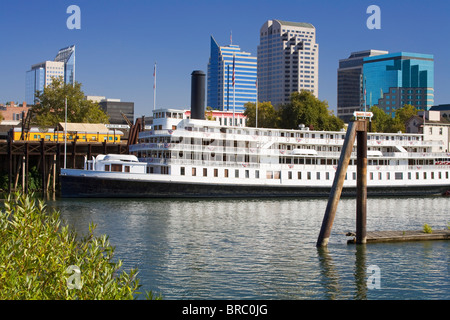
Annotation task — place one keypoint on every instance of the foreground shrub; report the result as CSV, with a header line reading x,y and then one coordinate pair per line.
x,y
42,259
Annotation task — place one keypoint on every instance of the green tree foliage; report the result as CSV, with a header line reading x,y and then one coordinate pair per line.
x,y
267,115
305,108
36,251
50,109
381,121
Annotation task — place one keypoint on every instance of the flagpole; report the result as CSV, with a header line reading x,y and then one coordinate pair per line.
x,y
154,87
256,103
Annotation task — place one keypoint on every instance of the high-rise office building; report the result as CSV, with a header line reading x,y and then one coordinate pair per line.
x,y
350,84
393,80
114,108
221,94
288,60
41,74
67,55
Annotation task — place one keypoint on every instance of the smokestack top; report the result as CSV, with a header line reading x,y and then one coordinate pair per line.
x,y
198,73
198,95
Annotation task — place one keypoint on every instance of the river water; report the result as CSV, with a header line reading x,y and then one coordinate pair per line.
x,y
265,248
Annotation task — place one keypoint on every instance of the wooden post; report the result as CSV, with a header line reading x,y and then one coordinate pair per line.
x,y
23,174
10,163
58,160
361,183
44,184
27,151
54,173
74,150
338,184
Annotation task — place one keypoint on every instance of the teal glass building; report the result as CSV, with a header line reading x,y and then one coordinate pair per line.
x,y
393,80
220,92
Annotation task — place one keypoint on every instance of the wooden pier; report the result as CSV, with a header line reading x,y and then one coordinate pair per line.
x,y
17,157
401,236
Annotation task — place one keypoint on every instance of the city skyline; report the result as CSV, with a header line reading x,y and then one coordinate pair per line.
x,y
119,43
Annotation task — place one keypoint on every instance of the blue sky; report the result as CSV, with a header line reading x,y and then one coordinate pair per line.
x,y
119,41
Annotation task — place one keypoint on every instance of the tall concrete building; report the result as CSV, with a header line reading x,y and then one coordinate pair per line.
x,y
40,75
288,60
350,97
393,80
221,95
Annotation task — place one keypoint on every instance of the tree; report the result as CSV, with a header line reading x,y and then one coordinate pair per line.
x,y
402,115
382,122
37,253
267,115
305,108
50,107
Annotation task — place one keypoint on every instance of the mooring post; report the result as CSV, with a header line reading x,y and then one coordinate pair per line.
x,y
26,152
361,182
44,184
10,163
338,184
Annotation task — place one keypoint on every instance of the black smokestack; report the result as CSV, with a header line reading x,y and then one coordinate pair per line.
x,y
198,95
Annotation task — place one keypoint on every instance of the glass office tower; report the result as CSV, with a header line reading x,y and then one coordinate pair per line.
x,y
221,94
350,85
396,79
40,75
67,55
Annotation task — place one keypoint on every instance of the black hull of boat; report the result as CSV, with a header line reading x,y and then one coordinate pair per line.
x,y
94,187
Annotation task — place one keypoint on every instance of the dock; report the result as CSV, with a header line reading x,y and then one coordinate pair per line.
x,y
401,236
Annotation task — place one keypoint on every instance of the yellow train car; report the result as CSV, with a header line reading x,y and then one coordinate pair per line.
x,y
79,132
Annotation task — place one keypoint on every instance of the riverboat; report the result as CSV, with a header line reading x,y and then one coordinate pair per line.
x,y
185,157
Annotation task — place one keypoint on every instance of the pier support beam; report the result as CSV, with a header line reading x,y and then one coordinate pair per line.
x,y
338,184
358,127
361,184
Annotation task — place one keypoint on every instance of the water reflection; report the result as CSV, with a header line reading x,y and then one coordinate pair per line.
x,y
265,248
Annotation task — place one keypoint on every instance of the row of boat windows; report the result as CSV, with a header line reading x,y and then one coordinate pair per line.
x,y
238,158
301,175
296,134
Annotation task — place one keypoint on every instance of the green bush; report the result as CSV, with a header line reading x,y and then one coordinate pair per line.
x,y
427,228
36,251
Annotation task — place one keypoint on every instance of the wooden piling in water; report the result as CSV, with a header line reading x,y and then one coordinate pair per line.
x,y
357,128
361,182
338,184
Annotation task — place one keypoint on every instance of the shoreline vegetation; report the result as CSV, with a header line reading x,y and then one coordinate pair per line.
x,y
42,258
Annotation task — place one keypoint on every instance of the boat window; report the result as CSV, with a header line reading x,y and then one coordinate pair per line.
x,y
127,168
106,167
116,167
